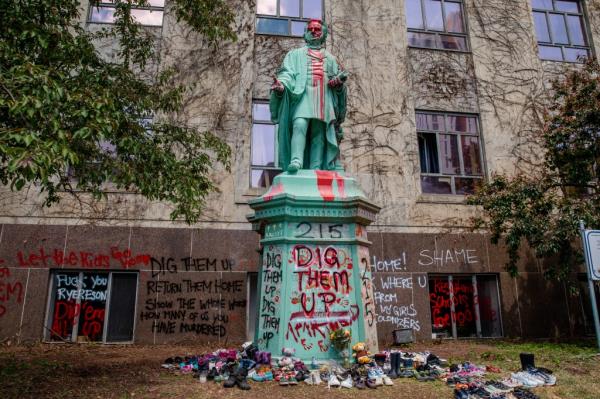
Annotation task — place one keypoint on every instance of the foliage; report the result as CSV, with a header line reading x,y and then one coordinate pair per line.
x,y
340,338
73,121
544,208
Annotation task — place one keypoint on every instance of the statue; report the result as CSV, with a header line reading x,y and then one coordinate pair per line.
x,y
308,101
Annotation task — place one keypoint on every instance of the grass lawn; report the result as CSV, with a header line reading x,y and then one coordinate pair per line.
x,y
103,371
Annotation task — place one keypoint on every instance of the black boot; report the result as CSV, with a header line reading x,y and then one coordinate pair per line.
x,y
241,379
231,381
395,365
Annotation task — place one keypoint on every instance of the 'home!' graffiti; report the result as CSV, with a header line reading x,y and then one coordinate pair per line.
x,y
322,297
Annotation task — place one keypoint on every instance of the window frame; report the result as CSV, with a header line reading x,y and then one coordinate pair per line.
x,y
445,32
51,300
583,17
458,135
290,20
276,149
109,4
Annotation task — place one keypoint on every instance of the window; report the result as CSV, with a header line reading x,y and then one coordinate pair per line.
x,y
152,15
465,306
286,17
264,146
450,153
560,30
91,306
436,24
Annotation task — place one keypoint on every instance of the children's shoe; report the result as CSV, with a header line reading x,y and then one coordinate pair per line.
x,y
333,381
370,383
283,380
347,383
387,380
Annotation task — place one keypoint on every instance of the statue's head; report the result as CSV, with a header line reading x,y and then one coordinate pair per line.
x,y
315,33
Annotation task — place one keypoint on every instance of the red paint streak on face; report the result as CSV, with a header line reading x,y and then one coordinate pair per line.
x,y
315,28
325,184
277,189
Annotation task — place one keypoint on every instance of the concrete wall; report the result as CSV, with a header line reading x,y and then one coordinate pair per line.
x,y
210,268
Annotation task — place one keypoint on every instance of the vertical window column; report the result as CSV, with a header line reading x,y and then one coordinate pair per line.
x,y
263,160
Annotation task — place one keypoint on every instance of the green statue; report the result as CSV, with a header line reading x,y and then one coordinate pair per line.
x,y
308,101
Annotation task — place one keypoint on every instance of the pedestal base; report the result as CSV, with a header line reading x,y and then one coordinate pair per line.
x,y
315,275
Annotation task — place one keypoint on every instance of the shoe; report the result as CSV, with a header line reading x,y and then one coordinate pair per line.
x,y
230,382
294,166
370,383
283,380
387,380
241,378
347,383
333,381
395,365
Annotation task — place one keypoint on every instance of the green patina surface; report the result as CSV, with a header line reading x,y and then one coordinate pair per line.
x,y
315,275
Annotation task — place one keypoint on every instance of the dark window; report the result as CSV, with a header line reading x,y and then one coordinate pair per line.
x,y
152,15
286,17
436,24
560,30
264,146
465,306
91,306
449,152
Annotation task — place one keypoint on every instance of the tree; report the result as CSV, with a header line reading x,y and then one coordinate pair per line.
x,y
543,208
71,121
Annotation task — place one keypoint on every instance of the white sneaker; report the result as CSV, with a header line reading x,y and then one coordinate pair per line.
x,y
333,381
378,381
387,380
314,378
347,383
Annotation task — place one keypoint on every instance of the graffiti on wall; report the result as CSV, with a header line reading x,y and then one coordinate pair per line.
x,y
11,290
368,297
322,298
393,298
187,305
271,296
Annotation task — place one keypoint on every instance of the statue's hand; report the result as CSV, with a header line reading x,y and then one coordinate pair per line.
x,y
277,86
335,82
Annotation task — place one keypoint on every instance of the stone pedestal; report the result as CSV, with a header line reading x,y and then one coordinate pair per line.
x,y
315,275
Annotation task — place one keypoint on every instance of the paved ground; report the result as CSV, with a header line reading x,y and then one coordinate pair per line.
x,y
97,371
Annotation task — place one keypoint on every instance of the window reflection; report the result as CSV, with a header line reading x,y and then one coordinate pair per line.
x,y
560,30
436,24
289,16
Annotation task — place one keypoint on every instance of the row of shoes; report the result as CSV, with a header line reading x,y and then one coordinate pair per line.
x,y
483,390
534,377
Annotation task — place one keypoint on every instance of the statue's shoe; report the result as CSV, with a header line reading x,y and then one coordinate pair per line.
x,y
294,166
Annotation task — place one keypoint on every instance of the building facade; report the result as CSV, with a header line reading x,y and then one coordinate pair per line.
x,y
442,94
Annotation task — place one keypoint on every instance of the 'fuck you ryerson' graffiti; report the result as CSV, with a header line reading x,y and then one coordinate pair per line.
x,y
322,297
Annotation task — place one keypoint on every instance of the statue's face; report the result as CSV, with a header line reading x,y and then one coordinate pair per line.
x,y
315,28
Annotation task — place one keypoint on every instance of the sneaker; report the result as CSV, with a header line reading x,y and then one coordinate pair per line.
x,y
283,380
387,380
314,378
347,383
333,381
370,383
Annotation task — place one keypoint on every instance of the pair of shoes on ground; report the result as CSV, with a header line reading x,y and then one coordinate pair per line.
x,y
336,383
376,374
521,393
239,379
313,378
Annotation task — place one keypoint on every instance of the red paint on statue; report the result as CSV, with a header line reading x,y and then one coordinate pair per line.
x,y
325,184
273,191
